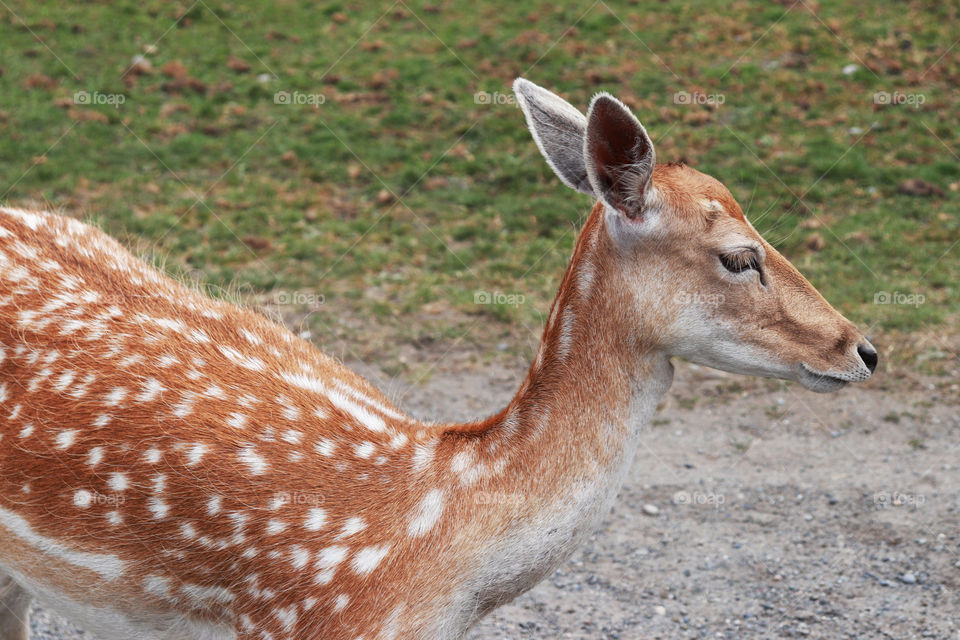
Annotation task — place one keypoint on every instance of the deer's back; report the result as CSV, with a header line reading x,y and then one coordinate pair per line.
x,y
157,442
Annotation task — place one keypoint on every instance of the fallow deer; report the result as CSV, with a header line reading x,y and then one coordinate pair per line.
x,y
173,466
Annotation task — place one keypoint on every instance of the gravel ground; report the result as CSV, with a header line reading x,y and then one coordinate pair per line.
x,y
753,511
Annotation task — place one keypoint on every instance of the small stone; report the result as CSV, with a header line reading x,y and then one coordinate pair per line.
x,y
660,610
908,578
651,509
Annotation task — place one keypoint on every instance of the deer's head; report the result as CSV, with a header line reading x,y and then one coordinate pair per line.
x,y
678,241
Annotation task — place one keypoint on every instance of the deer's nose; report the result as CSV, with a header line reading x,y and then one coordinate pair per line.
x,y
868,354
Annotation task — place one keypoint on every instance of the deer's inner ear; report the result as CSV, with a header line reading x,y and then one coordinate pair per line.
x,y
619,156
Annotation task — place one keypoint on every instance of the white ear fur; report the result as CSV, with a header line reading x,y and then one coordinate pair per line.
x,y
618,155
558,129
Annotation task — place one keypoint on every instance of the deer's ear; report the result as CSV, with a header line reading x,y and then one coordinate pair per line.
x,y
618,155
558,129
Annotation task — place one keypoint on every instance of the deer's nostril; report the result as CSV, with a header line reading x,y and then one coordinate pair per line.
x,y
869,356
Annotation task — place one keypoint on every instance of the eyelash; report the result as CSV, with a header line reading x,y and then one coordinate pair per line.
x,y
741,261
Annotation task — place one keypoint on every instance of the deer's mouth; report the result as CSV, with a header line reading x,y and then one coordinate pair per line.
x,y
819,381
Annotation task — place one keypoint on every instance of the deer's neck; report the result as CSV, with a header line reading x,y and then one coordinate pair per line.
x,y
543,472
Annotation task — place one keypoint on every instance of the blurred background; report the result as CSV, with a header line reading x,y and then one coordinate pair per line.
x,y
367,161
361,172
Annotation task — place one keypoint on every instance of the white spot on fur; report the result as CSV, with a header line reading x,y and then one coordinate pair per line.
x,y
151,389
292,437
157,586
256,464
367,559
115,397
352,525
427,513
327,561
364,449
195,454
299,556
118,481
201,593
95,456
158,507
423,455
237,421
65,439
316,518
325,448
82,498
275,526
287,616
63,380
461,462
247,362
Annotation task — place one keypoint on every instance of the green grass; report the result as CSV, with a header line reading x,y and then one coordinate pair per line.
x,y
209,169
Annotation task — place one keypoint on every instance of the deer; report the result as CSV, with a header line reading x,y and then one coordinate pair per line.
x,y
174,466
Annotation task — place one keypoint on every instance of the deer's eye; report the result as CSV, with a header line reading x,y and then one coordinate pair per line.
x,y
740,261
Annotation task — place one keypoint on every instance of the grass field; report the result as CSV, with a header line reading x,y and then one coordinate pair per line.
x,y
366,161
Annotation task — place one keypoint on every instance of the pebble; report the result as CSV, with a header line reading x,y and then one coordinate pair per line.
x,y
651,509
908,578
660,610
